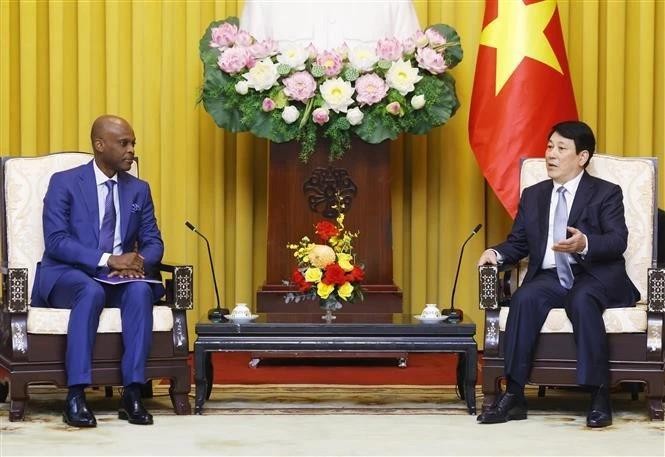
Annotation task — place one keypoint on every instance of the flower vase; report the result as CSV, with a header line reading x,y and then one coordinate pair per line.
x,y
329,305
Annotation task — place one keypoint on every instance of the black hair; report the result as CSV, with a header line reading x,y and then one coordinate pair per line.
x,y
580,133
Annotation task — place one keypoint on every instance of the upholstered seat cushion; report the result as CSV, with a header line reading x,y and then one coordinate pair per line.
x,y
617,320
53,321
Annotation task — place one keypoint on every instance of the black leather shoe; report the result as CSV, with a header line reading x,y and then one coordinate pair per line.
x,y
509,407
600,411
77,413
132,409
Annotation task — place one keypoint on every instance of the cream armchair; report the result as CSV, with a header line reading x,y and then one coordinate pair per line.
x,y
32,342
635,334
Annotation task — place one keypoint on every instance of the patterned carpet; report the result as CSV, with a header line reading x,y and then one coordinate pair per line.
x,y
331,420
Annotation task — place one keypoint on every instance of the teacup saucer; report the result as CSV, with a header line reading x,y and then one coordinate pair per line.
x,y
241,319
431,320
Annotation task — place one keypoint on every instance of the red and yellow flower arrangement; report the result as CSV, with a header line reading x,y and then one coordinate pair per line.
x,y
327,271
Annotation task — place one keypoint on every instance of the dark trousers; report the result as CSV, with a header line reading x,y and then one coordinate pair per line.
x,y
87,298
584,304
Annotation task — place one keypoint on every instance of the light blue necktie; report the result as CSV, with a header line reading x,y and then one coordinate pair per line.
x,y
560,230
107,230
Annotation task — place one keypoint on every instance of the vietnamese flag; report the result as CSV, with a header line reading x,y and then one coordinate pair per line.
x,y
521,89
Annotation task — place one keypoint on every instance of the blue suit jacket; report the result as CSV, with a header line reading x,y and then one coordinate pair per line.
x,y
71,227
598,212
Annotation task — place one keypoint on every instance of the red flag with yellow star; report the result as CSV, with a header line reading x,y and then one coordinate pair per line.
x,y
521,89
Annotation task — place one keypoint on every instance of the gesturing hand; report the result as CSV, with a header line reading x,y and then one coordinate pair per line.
x,y
575,243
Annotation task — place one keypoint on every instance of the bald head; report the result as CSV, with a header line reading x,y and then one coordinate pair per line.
x,y
113,142
104,124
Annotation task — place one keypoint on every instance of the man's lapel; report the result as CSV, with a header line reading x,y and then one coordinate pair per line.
x,y
544,218
88,188
582,198
125,195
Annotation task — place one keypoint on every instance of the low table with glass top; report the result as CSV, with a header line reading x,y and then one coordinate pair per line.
x,y
291,333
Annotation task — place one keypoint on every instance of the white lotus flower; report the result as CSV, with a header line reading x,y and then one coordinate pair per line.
x,y
402,76
337,94
242,87
363,58
294,56
418,101
262,76
290,114
354,116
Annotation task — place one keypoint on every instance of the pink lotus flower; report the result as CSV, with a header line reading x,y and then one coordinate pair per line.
x,y
434,37
343,50
263,49
420,38
431,61
244,38
320,116
268,105
409,45
371,88
233,59
300,86
389,49
331,63
223,36
394,108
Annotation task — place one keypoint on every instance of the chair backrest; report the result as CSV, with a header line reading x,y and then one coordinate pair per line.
x,y
637,177
24,182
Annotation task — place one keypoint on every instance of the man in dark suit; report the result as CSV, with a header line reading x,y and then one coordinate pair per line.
x,y
573,229
99,221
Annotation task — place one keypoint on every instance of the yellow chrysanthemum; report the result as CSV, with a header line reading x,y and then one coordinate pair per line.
x,y
345,290
323,290
321,255
313,275
344,261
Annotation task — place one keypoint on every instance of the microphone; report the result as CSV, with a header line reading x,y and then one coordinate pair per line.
x,y
455,315
214,314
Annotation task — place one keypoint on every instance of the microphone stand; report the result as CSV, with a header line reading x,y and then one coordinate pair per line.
x,y
214,314
456,314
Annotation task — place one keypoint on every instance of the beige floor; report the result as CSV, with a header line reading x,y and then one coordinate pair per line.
x,y
332,420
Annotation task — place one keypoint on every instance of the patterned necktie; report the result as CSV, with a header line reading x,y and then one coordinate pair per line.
x,y
560,230
107,231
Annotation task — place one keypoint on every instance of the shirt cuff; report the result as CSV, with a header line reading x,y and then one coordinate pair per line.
x,y
584,251
499,257
103,261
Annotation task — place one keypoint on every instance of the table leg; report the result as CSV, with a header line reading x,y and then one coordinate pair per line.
x,y
471,359
209,375
200,378
461,374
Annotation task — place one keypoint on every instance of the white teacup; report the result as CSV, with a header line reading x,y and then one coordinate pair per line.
x,y
430,311
241,311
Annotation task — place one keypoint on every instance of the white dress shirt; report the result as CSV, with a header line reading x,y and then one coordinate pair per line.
x,y
329,24
569,194
102,192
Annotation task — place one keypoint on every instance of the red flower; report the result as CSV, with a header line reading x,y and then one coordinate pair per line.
x,y
334,275
356,275
299,280
326,230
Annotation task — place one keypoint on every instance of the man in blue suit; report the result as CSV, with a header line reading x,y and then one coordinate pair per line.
x,y
573,229
99,221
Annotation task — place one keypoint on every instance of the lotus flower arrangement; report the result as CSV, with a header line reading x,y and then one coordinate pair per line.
x,y
285,93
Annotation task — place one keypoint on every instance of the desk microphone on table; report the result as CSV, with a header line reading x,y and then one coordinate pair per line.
x,y
455,315
214,314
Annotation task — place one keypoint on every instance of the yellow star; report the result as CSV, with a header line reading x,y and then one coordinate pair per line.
x,y
518,32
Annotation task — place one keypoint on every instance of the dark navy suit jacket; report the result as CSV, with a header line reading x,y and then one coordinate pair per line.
x,y
598,212
71,227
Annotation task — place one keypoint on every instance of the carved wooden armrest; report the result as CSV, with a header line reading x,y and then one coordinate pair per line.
x,y
15,290
180,287
656,290
494,289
